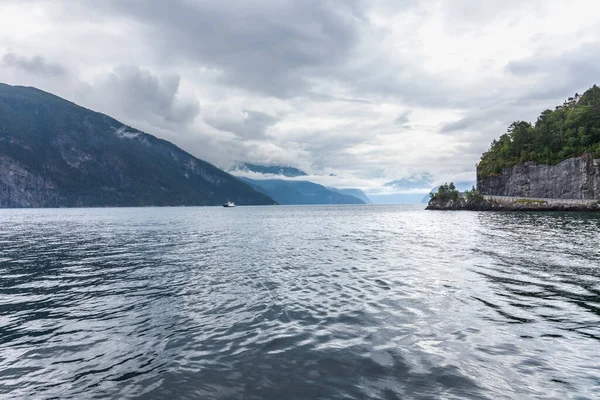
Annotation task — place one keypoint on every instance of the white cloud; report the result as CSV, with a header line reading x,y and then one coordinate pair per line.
x,y
371,91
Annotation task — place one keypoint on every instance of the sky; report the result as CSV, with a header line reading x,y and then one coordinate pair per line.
x,y
356,93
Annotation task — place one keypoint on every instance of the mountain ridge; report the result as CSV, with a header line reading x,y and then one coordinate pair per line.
x,y
55,153
287,171
292,192
359,194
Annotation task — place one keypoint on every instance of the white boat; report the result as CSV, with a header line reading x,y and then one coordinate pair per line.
x,y
229,204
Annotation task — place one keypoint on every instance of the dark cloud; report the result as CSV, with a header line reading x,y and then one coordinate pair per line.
x,y
582,59
256,122
36,65
559,75
458,125
249,125
479,126
267,47
543,83
316,83
522,67
329,98
403,119
283,48
134,91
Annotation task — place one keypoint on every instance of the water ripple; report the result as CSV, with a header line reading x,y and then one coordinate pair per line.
x,y
298,302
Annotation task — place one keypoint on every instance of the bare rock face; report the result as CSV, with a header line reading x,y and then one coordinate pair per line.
x,y
514,204
573,178
21,188
462,204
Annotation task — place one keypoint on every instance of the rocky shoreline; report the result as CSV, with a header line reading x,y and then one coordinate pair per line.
x,y
482,204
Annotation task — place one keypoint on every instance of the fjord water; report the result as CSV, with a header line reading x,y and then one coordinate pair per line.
x,y
298,302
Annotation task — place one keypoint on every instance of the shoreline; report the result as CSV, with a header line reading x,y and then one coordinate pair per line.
x,y
514,204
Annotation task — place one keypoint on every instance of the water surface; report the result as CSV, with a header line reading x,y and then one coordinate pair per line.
x,y
332,302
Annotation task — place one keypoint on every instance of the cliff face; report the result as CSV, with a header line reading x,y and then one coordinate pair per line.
x,y
573,178
54,153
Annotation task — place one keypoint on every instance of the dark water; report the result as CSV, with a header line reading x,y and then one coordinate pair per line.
x,y
298,302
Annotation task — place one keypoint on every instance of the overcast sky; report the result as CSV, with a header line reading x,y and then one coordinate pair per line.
x,y
371,91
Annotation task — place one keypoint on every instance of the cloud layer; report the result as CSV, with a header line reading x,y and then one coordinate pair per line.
x,y
371,91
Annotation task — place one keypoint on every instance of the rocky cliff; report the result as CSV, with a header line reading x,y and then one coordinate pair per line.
x,y
573,178
54,153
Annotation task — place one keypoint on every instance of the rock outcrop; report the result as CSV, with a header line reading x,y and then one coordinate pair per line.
x,y
573,178
514,204
461,203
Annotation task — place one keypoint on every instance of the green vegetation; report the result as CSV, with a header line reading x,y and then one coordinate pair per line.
x,y
446,192
570,130
473,195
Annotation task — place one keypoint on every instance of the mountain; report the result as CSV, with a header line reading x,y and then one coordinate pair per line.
x,y
290,172
54,153
408,190
300,192
297,192
354,192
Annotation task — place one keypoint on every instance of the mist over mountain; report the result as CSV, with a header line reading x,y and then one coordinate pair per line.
x,y
416,181
288,192
54,153
354,192
305,191
287,171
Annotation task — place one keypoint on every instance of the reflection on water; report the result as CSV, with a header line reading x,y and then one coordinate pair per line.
x,y
298,302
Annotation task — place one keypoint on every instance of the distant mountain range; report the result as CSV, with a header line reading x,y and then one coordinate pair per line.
x,y
289,172
288,192
354,192
54,153
411,190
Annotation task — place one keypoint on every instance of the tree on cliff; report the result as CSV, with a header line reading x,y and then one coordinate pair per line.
x,y
569,130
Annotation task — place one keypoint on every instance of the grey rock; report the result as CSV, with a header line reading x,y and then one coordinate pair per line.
x,y
513,204
573,178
